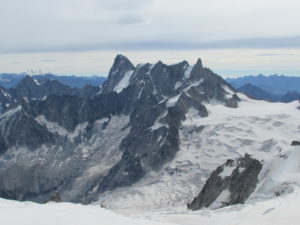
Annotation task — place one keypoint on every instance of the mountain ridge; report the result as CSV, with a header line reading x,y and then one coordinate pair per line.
x,y
117,137
32,89
10,80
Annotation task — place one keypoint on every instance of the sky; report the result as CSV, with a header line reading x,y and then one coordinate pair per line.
x,y
82,37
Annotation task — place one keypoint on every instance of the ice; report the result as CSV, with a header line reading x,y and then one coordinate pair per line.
x,y
178,84
37,82
124,82
280,174
6,94
221,200
227,171
28,213
277,211
228,90
9,113
172,101
188,71
56,128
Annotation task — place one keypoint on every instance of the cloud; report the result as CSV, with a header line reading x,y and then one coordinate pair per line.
x,y
255,43
132,19
127,5
274,54
48,60
70,25
16,62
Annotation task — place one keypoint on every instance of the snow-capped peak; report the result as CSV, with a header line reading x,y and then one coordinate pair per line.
x,y
34,72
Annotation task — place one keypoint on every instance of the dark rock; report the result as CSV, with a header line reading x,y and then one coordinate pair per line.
x,y
12,80
231,183
290,96
258,93
120,67
62,136
33,89
295,143
55,198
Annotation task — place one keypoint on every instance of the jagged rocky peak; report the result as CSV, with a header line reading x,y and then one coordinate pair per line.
x,y
166,81
27,81
199,64
127,131
231,183
119,73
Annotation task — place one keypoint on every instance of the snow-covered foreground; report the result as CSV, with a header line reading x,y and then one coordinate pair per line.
x,y
28,213
278,211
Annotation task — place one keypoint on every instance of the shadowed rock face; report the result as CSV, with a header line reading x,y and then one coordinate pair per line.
x,y
80,148
231,183
30,89
295,143
118,70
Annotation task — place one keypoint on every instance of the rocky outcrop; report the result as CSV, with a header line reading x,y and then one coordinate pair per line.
x,y
5,99
290,96
30,89
232,183
121,69
295,143
11,80
81,147
34,89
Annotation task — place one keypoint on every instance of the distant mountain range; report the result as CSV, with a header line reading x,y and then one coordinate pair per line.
x,y
10,80
270,88
30,88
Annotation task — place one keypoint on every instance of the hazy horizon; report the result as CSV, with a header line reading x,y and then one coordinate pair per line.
x,y
233,38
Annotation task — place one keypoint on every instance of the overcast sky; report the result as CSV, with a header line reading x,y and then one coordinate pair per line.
x,y
233,37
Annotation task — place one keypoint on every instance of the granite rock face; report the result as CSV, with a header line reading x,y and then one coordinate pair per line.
x,y
231,183
30,89
80,147
295,143
5,99
33,89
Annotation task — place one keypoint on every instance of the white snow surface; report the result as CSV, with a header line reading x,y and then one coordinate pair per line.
x,y
5,116
56,128
280,175
37,82
278,211
258,128
172,101
227,171
124,82
28,213
6,94
188,71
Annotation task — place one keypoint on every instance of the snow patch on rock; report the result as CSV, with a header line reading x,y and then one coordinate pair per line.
x,y
124,82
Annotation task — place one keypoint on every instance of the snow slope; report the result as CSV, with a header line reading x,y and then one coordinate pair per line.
x,y
28,213
258,128
278,211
